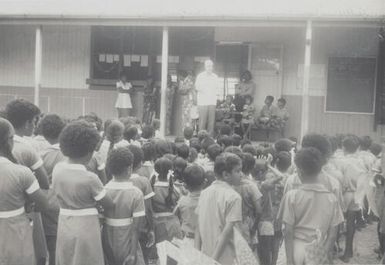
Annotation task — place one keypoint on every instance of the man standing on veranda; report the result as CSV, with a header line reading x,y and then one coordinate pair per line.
x,y
206,85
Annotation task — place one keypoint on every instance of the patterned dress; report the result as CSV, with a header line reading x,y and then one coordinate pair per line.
x,y
187,92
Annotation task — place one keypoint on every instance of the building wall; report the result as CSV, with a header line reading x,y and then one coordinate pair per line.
x,y
349,42
66,66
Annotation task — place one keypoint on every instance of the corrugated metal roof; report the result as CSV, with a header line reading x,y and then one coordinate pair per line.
x,y
195,9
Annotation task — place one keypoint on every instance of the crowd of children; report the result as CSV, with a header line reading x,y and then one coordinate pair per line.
x,y
107,194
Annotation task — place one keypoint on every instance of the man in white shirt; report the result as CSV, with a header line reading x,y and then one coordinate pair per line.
x,y
206,85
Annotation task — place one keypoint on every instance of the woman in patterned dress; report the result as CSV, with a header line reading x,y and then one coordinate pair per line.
x,y
187,92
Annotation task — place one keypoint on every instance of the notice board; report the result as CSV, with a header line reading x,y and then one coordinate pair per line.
x,y
351,85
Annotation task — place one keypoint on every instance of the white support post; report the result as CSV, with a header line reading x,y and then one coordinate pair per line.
x,y
305,81
38,64
163,99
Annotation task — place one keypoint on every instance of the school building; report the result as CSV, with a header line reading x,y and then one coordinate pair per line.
x,y
322,56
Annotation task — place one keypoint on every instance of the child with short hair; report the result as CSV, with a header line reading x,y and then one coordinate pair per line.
x,y
236,139
188,133
18,185
194,180
143,184
148,133
23,115
166,224
354,171
192,155
251,200
179,165
310,214
78,191
131,135
225,141
214,233
248,114
51,126
147,169
213,151
122,224
182,151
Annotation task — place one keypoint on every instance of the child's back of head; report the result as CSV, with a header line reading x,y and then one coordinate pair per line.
x,y
319,142
248,148
188,133
283,145
350,144
309,162
195,143
365,143
213,151
51,126
376,149
225,141
130,133
114,131
193,155
236,139
148,151
183,151
234,150
138,156
248,163
194,177
148,132
119,162
225,130
179,140
162,147
283,161
206,143
179,165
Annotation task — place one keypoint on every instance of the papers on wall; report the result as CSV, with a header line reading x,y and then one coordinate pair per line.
x,y
135,58
144,60
159,59
116,57
126,60
173,59
109,58
102,57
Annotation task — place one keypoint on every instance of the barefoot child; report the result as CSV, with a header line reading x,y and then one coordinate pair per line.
x,y
78,191
122,227
310,214
214,233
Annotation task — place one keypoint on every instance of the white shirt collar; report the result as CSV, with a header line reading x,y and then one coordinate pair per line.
x,y
20,139
55,146
113,185
73,166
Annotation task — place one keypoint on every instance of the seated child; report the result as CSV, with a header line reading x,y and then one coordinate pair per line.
x,y
214,232
227,107
282,112
166,224
247,115
310,214
194,180
268,111
122,226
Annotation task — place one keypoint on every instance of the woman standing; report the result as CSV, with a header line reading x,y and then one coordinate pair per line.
x,y
188,96
123,103
17,184
151,105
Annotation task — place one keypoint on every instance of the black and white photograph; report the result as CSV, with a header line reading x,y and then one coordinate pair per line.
x,y
205,132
